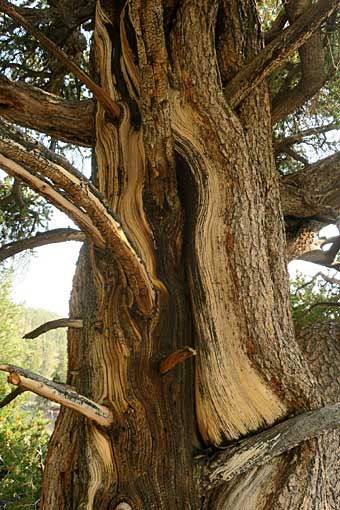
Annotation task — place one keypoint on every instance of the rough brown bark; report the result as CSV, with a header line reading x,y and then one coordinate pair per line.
x,y
186,253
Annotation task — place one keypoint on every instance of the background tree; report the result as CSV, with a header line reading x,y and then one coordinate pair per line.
x,y
185,217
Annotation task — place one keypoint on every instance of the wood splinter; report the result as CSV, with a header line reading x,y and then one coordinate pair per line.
x,y
176,358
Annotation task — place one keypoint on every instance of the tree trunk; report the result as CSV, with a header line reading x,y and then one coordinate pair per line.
x,y
195,186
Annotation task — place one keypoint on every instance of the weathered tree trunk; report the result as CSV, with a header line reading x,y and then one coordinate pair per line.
x,y
195,186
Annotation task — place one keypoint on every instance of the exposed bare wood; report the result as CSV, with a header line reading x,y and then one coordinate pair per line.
x,y
28,106
263,447
59,393
58,323
272,56
58,235
98,92
11,396
174,359
71,192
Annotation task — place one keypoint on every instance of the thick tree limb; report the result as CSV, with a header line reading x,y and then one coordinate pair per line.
x,y
324,258
53,177
58,393
99,93
314,190
58,323
272,56
263,447
28,106
58,235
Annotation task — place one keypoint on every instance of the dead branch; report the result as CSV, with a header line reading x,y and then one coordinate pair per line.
x,y
100,94
28,106
58,393
11,396
53,177
281,144
263,447
58,235
272,56
58,323
175,358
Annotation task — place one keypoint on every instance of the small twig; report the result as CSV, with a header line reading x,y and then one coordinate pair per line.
x,y
174,359
58,323
323,303
101,95
59,393
11,396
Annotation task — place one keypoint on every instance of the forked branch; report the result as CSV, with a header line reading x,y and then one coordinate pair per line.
x,y
100,94
58,323
59,393
263,447
272,56
58,235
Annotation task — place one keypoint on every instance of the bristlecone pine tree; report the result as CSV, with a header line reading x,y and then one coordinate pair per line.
x,y
188,387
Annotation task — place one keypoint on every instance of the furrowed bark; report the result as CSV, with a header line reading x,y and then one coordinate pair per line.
x,y
58,235
236,387
58,323
272,56
75,195
59,393
28,106
263,447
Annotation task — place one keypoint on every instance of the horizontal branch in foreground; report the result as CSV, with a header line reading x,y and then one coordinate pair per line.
x,y
53,177
58,393
263,447
99,93
28,106
278,50
58,235
58,323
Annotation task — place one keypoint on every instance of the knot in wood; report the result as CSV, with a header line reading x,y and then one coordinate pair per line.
x,y
123,506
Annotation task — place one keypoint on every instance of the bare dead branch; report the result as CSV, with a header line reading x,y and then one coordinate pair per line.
x,y
279,145
59,393
174,359
54,324
53,177
58,235
11,396
100,94
263,447
58,323
272,56
28,106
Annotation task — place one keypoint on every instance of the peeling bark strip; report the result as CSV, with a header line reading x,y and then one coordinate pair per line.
x,y
58,323
28,106
278,50
59,393
263,447
74,194
58,235
46,43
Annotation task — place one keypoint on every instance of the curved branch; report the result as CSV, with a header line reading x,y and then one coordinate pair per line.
x,y
58,235
28,106
53,177
263,447
58,323
99,93
59,393
272,56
